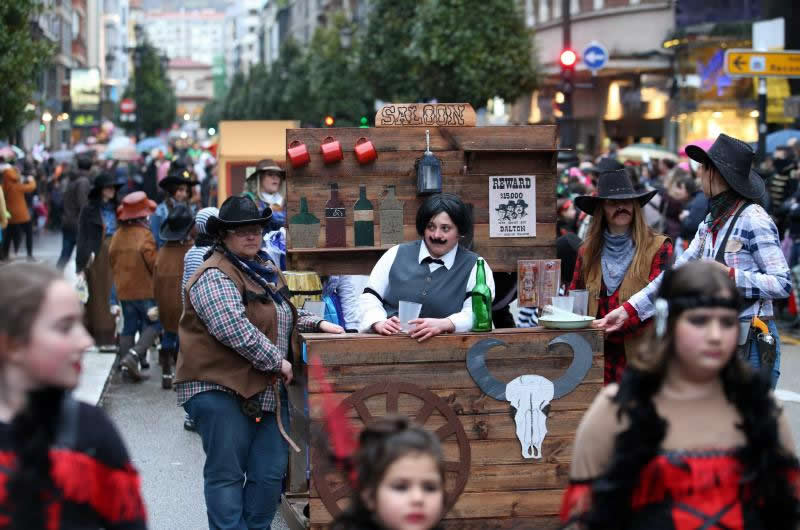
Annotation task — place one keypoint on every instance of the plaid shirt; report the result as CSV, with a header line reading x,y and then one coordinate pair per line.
x,y
219,305
760,268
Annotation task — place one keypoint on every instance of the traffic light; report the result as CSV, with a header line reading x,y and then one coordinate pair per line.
x,y
329,121
568,59
364,123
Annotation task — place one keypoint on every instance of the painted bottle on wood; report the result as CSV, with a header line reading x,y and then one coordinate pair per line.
x,y
481,301
391,218
335,235
363,220
303,228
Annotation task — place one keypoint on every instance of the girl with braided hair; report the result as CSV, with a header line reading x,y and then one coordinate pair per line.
x,y
691,437
62,463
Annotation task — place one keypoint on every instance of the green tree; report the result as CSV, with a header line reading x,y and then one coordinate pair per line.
x,y
236,100
289,92
152,90
22,58
212,113
471,50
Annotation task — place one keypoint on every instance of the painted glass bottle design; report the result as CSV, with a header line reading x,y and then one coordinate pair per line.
x,y
391,218
335,235
363,220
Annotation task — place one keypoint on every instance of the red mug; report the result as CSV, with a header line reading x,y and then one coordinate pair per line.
x,y
331,150
365,151
298,154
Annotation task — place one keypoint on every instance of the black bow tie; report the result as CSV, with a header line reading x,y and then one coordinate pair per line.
x,y
429,259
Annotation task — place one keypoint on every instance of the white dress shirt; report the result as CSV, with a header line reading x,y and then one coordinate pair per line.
x,y
373,310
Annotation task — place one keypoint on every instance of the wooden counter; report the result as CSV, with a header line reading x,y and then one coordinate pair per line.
x,y
430,382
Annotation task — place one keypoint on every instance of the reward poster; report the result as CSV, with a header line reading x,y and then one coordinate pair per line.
x,y
512,206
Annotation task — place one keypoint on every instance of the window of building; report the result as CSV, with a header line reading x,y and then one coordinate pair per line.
x,y
544,11
598,4
530,15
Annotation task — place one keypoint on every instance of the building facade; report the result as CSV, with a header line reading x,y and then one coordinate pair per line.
x,y
197,35
194,87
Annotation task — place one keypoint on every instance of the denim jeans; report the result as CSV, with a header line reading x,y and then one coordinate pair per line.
x,y
69,237
755,360
245,461
134,316
169,340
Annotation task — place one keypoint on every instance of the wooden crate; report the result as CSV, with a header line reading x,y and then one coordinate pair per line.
x,y
469,155
503,489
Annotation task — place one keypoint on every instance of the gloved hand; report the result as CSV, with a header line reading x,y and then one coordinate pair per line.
x,y
152,314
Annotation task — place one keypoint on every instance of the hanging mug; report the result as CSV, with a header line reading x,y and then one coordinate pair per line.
x,y
298,154
365,151
331,150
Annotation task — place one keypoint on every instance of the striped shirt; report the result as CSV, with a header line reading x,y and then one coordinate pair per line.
x,y
753,251
191,262
218,304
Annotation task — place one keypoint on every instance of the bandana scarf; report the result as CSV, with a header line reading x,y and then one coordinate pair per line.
x,y
722,205
261,273
617,257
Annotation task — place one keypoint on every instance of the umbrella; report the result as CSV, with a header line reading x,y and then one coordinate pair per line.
x,y
641,152
702,144
11,151
124,153
148,144
119,141
63,155
80,148
778,138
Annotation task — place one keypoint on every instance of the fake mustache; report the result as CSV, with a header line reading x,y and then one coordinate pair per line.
x,y
437,241
620,211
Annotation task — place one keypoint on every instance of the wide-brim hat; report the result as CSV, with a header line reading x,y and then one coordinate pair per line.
x,y
268,165
178,224
176,178
734,161
237,211
613,185
103,180
521,202
135,205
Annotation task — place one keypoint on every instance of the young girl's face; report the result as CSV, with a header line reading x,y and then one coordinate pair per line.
x,y
52,355
410,496
705,340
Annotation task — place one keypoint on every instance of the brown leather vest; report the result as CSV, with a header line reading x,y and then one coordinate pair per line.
x,y
167,277
203,358
631,285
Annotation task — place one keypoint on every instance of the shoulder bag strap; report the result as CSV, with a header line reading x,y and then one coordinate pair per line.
x,y
720,257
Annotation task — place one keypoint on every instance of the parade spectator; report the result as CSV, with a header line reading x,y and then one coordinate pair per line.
x,y
236,333
436,271
167,275
4,215
64,464
96,226
263,187
76,195
567,217
619,256
393,451
675,197
133,257
178,187
14,189
739,235
203,241
691,437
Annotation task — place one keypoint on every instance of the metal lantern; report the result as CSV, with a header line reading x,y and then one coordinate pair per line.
x,y
429,171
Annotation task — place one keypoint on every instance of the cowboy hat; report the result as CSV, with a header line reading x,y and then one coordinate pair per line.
x,y
178,224
103,180
177,176
237,211
134,206
267,165
734,161
613,185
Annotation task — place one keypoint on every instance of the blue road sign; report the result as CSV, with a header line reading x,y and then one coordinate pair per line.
x,y
595,56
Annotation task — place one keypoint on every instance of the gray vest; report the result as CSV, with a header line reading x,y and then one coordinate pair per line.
x,y
441,292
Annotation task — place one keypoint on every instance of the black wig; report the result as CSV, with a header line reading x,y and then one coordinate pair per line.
x,y
452,205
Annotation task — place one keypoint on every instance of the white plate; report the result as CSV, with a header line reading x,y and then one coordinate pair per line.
x,y
566,324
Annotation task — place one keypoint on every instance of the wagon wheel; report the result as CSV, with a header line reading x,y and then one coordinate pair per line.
x,y
321,468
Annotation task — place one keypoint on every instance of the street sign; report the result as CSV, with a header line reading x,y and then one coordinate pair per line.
x,y
753,63
595,56
127,105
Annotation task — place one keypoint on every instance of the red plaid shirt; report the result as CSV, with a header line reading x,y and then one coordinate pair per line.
x,y
608,303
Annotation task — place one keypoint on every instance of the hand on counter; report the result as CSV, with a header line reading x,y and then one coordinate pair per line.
x,y
425,328
612,321
328,327
390,326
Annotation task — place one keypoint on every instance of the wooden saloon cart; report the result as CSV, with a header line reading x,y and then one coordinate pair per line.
x,y
496,486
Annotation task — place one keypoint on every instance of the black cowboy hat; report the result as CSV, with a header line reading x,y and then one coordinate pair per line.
x,y
614,185
734,161
177,225
177,176
237,211
521,202
103,180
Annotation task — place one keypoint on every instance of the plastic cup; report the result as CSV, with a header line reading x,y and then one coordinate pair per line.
x,y
563,302
580,304
407,311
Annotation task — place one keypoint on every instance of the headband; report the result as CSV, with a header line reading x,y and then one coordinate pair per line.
x,y
679,304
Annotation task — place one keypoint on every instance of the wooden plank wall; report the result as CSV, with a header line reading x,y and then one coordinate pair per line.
x,y
504,489
469,155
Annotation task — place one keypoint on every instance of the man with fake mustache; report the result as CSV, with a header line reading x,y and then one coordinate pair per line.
x,y
619,256
435,271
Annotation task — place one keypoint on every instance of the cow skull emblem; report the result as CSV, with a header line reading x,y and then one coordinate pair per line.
x,y
530,395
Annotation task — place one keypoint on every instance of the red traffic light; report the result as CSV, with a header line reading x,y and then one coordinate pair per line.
x,y
329,121
568,58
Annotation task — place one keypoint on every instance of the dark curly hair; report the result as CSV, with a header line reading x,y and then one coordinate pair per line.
x,y
766,463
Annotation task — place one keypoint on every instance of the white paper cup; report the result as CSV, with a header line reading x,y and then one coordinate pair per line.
x,y
563,302
407,311
580,305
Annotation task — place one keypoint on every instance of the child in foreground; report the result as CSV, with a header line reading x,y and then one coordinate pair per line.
x,y
400,479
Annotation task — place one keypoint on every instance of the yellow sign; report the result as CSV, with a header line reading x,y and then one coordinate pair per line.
x,y
752,63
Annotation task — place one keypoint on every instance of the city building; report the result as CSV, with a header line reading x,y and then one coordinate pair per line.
x,y
198,35
243,48
194,87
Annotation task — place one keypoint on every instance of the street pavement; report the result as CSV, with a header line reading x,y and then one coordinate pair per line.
x,y
170,459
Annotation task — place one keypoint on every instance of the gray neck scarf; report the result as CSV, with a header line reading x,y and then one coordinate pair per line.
x,y
617,257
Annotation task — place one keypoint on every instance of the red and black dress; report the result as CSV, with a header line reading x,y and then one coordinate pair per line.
x,y
95,485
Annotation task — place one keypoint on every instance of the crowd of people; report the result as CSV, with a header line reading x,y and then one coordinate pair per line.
x,y
685,264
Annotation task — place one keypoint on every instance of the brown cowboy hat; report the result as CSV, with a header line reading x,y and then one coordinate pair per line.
x,y
268,165
135,205
613,185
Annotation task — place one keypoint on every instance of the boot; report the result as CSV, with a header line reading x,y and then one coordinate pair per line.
x,y
125,344
130,365
165,357
146,338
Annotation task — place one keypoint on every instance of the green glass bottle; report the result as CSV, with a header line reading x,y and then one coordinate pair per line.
x,y
481,301
363,220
